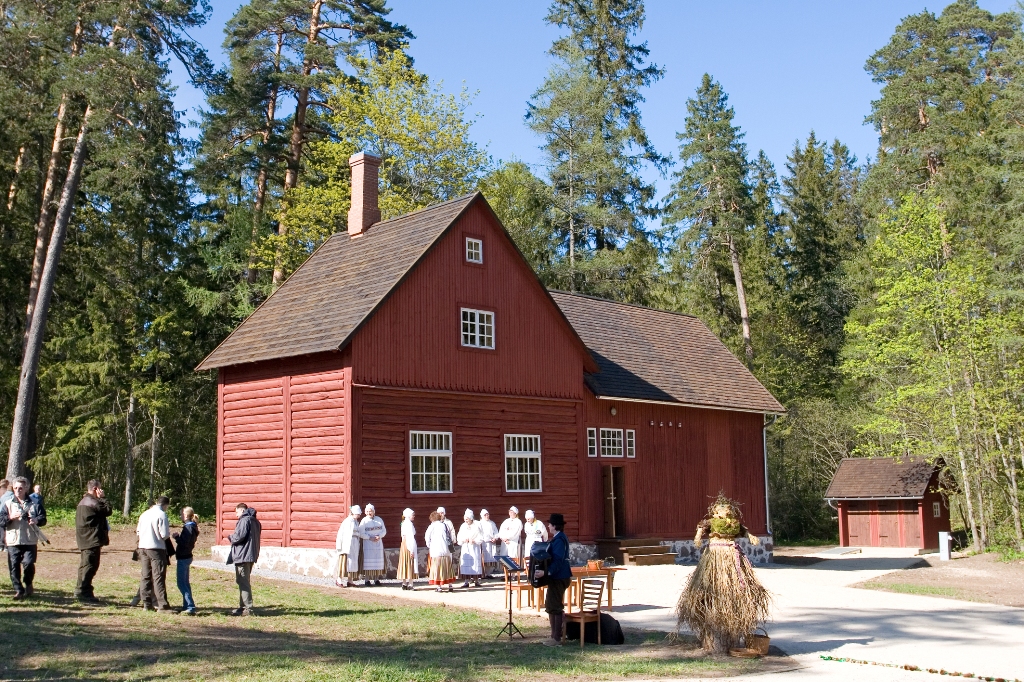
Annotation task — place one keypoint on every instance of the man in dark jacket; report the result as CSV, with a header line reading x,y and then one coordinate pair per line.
x,y
244,552
92,533
559,577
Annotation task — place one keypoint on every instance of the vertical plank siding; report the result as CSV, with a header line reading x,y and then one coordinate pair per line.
x,y
678,470
413,340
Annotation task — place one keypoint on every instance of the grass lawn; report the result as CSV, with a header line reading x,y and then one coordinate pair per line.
x,y
301,632
910,588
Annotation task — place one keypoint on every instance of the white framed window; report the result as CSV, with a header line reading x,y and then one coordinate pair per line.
x,y
477,328
630,443
474,250
430,461
522,463
611,442
936,510
591,442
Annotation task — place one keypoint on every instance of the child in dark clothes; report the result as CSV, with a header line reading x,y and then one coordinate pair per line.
x,y
186,540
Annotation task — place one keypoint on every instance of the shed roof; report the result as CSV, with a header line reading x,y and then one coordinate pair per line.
x,y
656,355
338,287
872,478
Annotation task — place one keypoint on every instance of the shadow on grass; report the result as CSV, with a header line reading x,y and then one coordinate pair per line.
x,y
53,637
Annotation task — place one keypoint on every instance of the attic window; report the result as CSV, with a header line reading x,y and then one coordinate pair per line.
x,y
477,328
936,510
474,250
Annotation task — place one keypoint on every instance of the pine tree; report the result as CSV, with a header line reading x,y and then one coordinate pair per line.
x,y
710,207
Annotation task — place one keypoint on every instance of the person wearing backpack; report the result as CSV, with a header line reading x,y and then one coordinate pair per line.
x,y
92,534
21,520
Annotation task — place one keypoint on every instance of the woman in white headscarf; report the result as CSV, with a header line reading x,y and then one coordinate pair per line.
x,y
347,545
534,531
511,532
489,534
373,531
471,565
440,569
407,553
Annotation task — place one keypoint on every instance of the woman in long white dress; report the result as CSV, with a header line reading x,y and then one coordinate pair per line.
x,y
511,532
534,531
407,553
489,534
471,565
440,569
347,545
373,531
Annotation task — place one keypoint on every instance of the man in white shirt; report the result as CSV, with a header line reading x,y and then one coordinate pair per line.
x,y
153,531
511,532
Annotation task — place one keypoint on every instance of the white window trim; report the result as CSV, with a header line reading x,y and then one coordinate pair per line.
x,y
630,443
479,243
523,454
936,510
476,327
622,440
591,442
432,453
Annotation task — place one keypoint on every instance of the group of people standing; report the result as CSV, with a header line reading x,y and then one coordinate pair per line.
x,y
470,554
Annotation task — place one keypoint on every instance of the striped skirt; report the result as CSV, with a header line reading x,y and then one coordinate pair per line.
x,y
407,569
343,571
441,570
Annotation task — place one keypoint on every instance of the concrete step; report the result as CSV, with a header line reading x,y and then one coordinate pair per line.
x,y
651,559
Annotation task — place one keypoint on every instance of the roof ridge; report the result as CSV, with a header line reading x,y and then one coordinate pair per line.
x,y
431,207
630,305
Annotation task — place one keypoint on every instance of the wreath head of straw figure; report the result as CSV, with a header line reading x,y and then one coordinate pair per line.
x,y
725,516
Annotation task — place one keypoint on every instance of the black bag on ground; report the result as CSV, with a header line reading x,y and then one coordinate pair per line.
x,y
611,631
540,560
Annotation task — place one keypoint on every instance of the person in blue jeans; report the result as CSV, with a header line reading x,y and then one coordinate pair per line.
x,y
186,540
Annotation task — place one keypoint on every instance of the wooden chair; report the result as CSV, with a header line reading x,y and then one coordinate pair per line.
x,y
569,598
514,583
588,608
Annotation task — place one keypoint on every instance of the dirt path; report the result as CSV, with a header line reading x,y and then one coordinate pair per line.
x,y
982,578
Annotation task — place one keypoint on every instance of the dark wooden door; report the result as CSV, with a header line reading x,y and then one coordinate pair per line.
x,y
614,479
888,524
858,519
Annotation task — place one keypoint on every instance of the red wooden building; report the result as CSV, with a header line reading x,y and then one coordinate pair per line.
x,y
419,362
884,502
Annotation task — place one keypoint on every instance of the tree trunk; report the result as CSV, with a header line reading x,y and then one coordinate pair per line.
x,y
252,274
298,138
129,471
34,342
13,191
741,297
154,451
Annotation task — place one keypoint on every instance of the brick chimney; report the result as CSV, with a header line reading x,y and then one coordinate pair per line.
x,y
364,211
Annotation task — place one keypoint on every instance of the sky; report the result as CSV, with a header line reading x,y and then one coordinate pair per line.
x,y
789,67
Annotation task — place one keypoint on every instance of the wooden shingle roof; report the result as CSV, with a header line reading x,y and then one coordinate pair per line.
x,y
873,478
330,295
655,355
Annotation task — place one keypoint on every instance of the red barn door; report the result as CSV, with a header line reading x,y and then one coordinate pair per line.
x,y
888,524
911,524
859,521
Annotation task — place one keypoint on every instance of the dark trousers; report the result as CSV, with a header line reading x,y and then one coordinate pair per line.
x,y
555,595
243,573
87,568
21,558
153,588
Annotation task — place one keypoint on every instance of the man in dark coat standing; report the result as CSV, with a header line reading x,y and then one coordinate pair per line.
x,y
244,552
92,533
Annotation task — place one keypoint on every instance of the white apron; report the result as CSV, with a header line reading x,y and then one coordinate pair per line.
x,y
535,532
347,542
489,532
510,533
409,535
469,537
373,552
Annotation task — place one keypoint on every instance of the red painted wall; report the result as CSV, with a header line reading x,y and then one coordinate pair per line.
x,y
413,340
678,470
894,523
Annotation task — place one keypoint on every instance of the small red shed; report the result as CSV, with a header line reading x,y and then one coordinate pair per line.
x,y
884,502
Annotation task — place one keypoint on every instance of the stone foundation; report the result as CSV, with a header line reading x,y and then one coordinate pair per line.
x,y
686,553
322,562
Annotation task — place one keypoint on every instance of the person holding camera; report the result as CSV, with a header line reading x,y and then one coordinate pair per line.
x,y
21,520
559,576
92,534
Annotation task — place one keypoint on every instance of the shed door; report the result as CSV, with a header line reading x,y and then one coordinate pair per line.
x,y
859,521
888,523
614,479
911,524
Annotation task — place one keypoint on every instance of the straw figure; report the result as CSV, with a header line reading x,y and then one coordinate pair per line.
x,y
723,600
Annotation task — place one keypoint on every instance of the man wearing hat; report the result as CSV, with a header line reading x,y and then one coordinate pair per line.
x,y
559,578
347,545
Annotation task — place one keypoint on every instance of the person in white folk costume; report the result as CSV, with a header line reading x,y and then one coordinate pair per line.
x,y
447,522
489,533
372,530
511,532
534,531
471,565
440,569
408,570
347,544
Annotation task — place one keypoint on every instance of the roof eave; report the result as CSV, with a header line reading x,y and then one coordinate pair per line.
x,y
701,406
